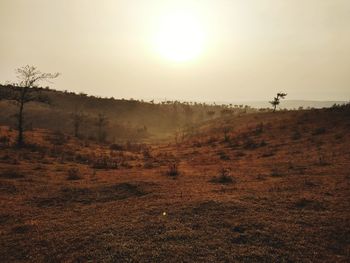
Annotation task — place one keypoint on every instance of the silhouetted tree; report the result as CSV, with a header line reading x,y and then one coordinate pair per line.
x,y
210,114
77,119
276,100
101,123
3,94
26,90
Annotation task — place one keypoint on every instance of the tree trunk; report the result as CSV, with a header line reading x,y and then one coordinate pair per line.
x,y
20,125
100,133
76,129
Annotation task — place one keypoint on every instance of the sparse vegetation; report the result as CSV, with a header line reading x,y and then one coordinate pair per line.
x,y
173,169
104,162
62,179
25,91
11,174
224,177
276,100
319,131
74,174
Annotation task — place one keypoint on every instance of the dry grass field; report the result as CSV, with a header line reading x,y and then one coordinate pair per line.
x,y
261,187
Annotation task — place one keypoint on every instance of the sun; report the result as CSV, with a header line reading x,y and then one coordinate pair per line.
x,y
180,37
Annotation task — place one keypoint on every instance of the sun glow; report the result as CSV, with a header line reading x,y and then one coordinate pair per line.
x,y
180,37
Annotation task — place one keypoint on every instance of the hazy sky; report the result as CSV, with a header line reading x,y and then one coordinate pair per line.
x,y
250,49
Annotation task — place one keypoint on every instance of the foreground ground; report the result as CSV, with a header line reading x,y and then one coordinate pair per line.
x,y
283,195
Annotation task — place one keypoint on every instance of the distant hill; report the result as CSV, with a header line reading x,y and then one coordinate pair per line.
x,y
125,119
129,119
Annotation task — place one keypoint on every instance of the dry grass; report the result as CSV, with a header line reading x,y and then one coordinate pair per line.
x,y
286,200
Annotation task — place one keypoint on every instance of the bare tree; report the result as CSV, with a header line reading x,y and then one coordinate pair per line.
x,y
2,94
101,123
26,90
77,118
276,100
210,114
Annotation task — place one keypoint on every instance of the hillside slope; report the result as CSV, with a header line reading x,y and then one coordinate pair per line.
x,y
125,119
263,187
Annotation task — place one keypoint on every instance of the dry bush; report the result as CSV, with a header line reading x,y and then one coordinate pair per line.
x,y
104,162
135,147
148,164
259,129
240,154
275,172
322,161
117,147
268,154
197,144
11,174
223,156
73,174
250,144
146,154
82,158
173,169
57,138
319,131
304,203
212,140
5,140
224,177
296,135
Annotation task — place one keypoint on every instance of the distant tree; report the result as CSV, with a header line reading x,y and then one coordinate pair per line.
x,y
77,119
26,90
276,100
101,123
210,114
2,94
189,112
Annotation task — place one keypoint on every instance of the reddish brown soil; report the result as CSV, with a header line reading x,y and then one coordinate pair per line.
x,y
287,200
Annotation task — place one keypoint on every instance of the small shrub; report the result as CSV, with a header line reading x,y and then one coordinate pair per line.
x,y
173,169
73,174
296,135
117,147
319,131
224,156
81,158
304,203
322,161
259,129
4,140
146,154
249,144
267,154
240,154
148,164
57,138
211,140
104,163
197,144
338,136
263,143
224,177
276,173
11,174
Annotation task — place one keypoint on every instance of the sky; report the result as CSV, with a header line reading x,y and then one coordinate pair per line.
x,y
197,50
